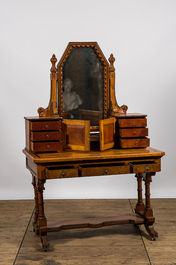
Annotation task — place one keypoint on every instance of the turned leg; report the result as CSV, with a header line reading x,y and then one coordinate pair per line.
x,y
36,199
140,205
41,221
148,213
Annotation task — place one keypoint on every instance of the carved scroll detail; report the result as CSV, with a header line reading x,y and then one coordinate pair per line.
x,y
51,110
114,108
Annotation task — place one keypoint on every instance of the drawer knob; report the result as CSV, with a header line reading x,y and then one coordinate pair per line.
x,y
133,124
47,136
47,126
147,169
48,147
136,142
63,174
134,133
106,172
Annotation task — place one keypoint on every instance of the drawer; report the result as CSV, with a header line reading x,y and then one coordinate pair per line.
x,y
134,143
61,172
102,169
46,136
125,123
145,166
136,132
45,125
46,146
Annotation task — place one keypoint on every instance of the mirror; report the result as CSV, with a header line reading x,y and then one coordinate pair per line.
x,y
83,83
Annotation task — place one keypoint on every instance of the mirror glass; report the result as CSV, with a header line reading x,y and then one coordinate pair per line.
x,y
83,85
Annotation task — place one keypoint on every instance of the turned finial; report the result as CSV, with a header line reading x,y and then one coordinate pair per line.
x,y
112,60
53,61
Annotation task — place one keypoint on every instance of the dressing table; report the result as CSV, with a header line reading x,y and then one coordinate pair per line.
x,y
84,132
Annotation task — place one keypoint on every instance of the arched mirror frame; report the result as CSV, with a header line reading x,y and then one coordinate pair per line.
x,y
110,106
105,65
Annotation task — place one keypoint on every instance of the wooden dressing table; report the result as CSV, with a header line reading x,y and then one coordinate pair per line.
x,y
83,132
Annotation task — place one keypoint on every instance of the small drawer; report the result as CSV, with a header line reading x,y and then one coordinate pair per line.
x,y
45,125
46,136
134,143
136,132
102,169
61,172
46,146
145,166
128,123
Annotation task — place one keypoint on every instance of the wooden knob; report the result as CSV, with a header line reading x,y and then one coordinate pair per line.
x,y
106,172
147,169
63,174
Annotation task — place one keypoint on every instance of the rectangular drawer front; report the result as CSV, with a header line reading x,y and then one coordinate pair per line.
x,y
99,170
46,136
134,143
45,125
136,132
142,167
46,146
61,172
125,123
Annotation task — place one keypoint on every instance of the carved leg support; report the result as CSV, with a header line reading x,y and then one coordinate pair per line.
x,y
148,213
140,205
41,221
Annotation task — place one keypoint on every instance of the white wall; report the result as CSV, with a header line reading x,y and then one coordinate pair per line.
x,y
142,37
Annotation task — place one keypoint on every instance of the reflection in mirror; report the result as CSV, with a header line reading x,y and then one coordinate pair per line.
x,y
83,82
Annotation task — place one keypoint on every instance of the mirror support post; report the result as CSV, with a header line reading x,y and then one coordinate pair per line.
x,y
51,110
114,108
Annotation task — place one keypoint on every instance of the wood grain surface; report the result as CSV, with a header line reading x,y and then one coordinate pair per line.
x,y
122,244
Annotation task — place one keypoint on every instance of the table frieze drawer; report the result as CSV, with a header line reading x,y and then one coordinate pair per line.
x,y
102,169
45,125
46,146
133,132
46,136
61,172
125,123
133,143
144,167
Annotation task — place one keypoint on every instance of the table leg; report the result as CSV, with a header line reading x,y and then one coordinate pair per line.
x,y
36,199
148,212
140,205
41,221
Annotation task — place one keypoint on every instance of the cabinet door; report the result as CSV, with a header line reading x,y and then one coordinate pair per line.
x,y
107,133
76,135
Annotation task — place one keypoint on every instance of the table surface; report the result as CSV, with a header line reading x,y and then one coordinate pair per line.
x,y
65,156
